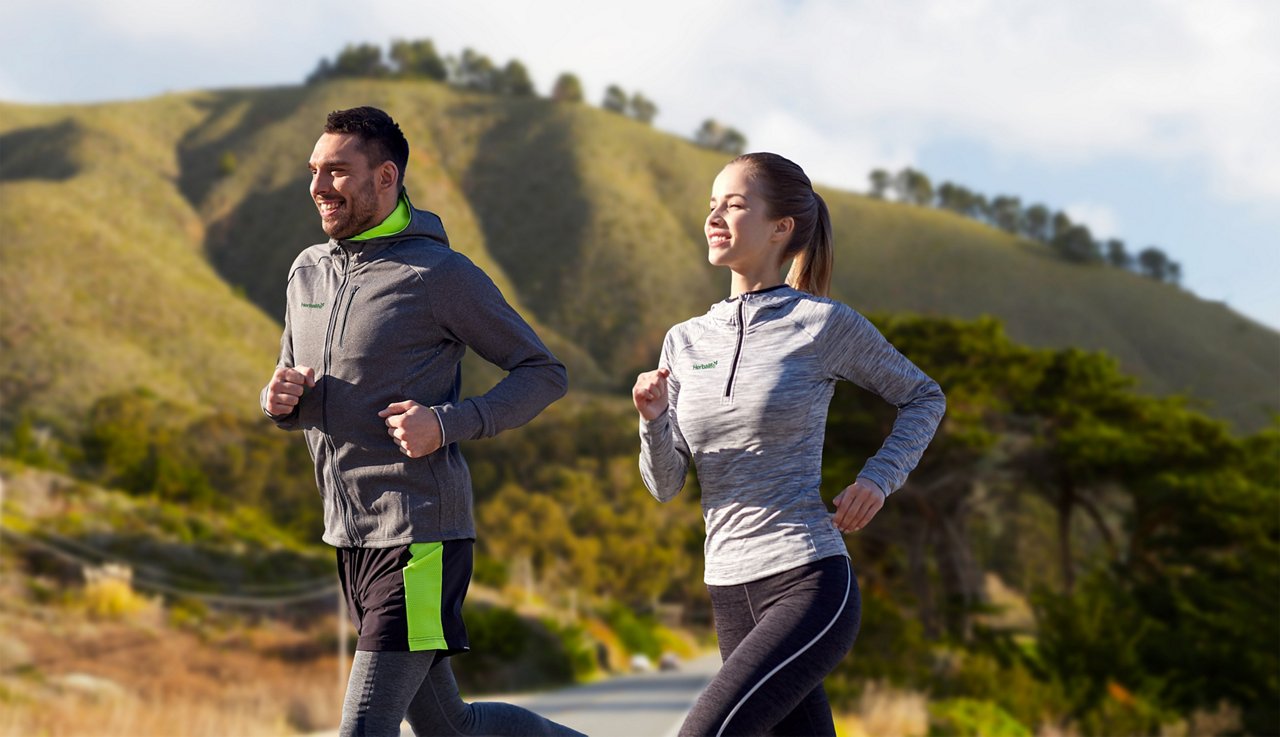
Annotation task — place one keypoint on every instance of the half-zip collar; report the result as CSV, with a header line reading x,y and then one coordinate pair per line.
x,y
737,312
750,303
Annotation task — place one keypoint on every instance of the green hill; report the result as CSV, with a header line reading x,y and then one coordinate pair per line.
x,y
147,243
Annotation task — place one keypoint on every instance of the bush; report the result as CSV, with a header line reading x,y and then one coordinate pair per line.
x,y
972,718
639,634
496,631
113,598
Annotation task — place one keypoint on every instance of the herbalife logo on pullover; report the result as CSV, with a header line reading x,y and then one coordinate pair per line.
x,y
313,305
705,365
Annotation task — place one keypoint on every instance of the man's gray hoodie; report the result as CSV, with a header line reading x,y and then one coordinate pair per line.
x,y
385,320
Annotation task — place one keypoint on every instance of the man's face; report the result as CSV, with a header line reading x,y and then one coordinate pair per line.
x,y
343,186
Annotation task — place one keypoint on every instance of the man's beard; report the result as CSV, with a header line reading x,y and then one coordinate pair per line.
x,y
358,215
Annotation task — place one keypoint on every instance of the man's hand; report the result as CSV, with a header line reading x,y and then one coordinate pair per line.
x,y
650,393
286,388
857,505
415,428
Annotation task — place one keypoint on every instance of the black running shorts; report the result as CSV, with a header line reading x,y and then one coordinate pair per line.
x,y
408,597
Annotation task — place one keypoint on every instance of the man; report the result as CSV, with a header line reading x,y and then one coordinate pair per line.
x,y
376,323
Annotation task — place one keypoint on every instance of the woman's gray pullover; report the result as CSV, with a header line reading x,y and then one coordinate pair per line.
x,y
748,393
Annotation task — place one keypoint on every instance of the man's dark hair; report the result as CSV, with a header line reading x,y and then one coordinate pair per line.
x,y
380,136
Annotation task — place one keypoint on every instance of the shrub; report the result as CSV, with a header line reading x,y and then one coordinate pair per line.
x,y
972,718
639,634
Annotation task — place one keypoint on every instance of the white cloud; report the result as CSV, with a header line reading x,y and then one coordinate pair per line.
x,y
1101,220
872,81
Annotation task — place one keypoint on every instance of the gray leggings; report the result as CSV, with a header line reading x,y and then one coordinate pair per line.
x,y
387,687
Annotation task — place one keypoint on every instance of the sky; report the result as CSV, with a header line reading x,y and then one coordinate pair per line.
x,y
1150,121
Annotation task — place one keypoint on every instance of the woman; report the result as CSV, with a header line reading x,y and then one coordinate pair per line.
x,y
743,392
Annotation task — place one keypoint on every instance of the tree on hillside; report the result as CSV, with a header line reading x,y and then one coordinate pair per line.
x,y
953,197
1006,210
322,72
1076,244
718,137
642,108
1035,223
979,208
1060,224
514,81
363,60
913,186
1117,255
418,59
472,71
568,88
615,100
1154,263
880,181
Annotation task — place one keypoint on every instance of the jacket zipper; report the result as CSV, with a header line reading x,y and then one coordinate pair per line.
x,y
737,350
346,314
344,509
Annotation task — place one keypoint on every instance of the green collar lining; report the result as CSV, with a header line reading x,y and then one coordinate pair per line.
x,y
397,221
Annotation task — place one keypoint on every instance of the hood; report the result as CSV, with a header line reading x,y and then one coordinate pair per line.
x,y
422,224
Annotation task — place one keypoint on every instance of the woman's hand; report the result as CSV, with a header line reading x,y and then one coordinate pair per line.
x,y
857,505
650,393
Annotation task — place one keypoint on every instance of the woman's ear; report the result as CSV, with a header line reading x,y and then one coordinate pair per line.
x,y
783,228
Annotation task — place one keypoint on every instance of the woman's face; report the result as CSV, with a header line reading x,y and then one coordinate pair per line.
x,y
740,233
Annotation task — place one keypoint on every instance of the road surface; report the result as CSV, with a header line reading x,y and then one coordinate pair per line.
x,y
640,705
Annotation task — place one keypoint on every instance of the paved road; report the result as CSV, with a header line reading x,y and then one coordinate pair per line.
x,y
641,705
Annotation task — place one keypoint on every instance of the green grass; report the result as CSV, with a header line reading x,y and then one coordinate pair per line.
x,y
135,255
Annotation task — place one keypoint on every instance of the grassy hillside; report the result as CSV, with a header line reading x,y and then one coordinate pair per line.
x,y
105,285
148,242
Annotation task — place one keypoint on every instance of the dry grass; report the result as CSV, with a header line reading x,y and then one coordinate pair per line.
x,y
884,711
65,672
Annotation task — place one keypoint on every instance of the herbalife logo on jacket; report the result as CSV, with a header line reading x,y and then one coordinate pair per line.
x,y
313,305
705,365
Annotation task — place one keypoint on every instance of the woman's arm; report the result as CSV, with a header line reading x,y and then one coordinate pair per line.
x,y
664,454
855,351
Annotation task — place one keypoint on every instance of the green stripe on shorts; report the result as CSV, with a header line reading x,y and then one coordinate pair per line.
x,y
423,579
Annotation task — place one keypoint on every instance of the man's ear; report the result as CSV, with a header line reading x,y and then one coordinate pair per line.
x,y
388,175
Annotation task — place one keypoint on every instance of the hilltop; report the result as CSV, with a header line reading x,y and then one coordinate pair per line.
x,y
147,243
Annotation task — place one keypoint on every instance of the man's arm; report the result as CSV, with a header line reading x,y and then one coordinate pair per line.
x,y
280,398
470,307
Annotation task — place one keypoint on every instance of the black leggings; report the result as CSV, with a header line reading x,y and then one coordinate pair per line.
x,y
386,687
779,637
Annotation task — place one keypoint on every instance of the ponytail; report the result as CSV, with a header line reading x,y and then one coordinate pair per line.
x,y
811,268
788,192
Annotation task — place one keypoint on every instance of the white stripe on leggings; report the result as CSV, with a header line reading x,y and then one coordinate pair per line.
x,y
848,585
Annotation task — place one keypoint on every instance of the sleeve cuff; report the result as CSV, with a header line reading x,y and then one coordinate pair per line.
x,y
884,489
459,421
444,437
